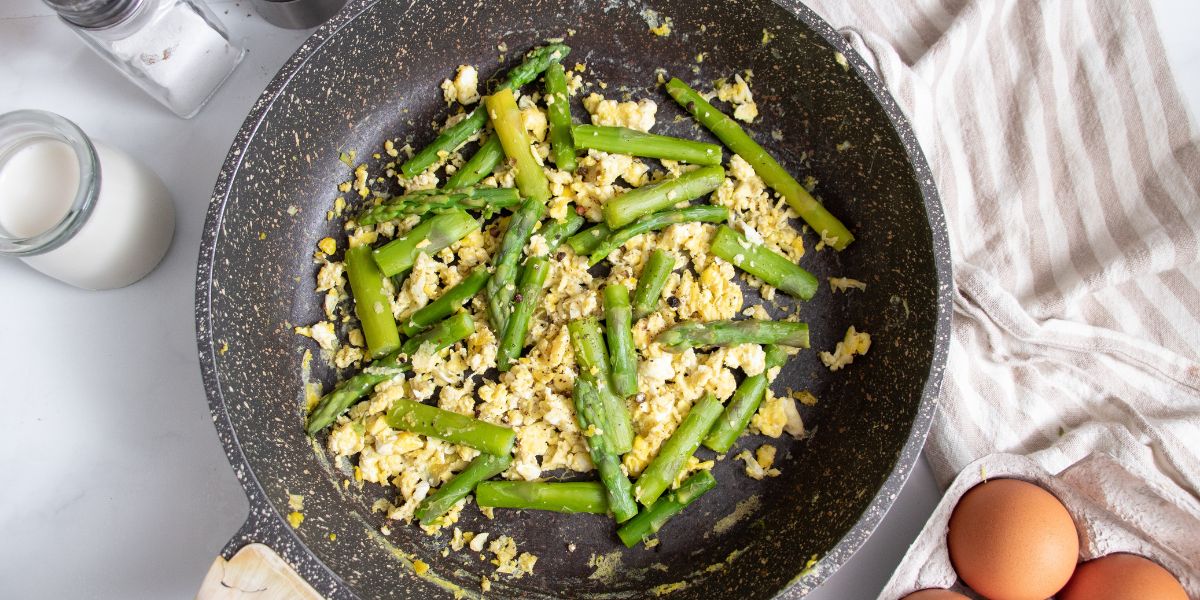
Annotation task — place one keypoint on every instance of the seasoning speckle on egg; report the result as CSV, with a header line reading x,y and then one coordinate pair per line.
x,y
1012,540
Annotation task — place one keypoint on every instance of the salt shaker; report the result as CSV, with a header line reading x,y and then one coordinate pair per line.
x,y
175,50
76,209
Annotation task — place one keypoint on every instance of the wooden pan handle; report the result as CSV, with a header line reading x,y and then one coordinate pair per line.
x,y
255,572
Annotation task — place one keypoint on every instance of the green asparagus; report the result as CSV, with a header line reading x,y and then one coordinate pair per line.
x,y
591,358
639,202
558,231
371,303
589,412
622,140
506,119
650,283
529,296
503,283
454,136
441,335
651,519
558,111
742,406
653,222
407,415
487,200
447,303
674,453
484,467
774,175
342,397
618,329
692,334
762,262
589,239
479,166
429,236
564,497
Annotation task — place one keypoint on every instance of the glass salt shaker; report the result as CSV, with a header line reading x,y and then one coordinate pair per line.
x,y
175,50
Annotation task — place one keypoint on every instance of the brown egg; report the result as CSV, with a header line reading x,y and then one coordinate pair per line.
x,y
1122,577
1012,540
935,594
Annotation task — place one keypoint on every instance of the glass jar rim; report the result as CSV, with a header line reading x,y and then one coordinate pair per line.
x,y
19,128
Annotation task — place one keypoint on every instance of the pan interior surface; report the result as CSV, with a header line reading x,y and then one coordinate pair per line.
x,y
376,78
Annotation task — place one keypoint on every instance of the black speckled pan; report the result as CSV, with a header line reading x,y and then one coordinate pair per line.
x,y
372,74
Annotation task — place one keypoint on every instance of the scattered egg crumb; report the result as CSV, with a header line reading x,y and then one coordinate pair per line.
x,y
854,343
295,518
843,284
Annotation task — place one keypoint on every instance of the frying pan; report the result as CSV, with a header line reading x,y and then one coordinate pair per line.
x,y
371,74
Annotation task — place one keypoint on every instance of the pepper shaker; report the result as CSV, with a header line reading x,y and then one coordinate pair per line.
x,y
175,50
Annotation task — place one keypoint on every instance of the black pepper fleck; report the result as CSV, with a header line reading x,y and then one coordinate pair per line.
x,y
518,297
673,301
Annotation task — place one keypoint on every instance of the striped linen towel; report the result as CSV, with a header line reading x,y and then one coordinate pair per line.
x,y
1069,172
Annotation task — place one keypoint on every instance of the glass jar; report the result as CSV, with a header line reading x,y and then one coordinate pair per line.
x,y
175,50
78,210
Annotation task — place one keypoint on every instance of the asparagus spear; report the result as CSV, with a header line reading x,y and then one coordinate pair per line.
x,y
506,119
487,200
342,397
742,406
535,62
690,334
348,392
480,165
529,295
371,303
622,140
650,284
618,329
589,412
441,335
639,202
653,222
429,236
774,175
565,497
592,360
501,287
674,453
764,263
432,421
651,519
558,110
447,303
485,466
558,231
587,240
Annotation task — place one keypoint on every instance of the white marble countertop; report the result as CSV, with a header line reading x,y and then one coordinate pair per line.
x,y
117,485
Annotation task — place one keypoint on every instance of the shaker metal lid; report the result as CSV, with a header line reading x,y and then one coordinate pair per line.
x,y
93,14
297,14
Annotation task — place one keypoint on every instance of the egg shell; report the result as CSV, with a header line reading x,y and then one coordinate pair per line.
x,y
1122,577
935,594
1012,540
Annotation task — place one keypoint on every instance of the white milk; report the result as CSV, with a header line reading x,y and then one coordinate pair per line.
x,y
127,233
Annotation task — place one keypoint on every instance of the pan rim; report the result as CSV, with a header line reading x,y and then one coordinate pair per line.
x,y
266,524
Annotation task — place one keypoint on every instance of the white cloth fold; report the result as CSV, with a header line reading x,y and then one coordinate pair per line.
x,y
1070,175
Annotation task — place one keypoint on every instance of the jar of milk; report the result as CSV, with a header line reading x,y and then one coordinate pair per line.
x,y
76,209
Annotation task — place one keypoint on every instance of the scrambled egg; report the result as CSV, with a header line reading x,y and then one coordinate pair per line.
x,y
737,92
855,342
843,284
464,89
634,115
